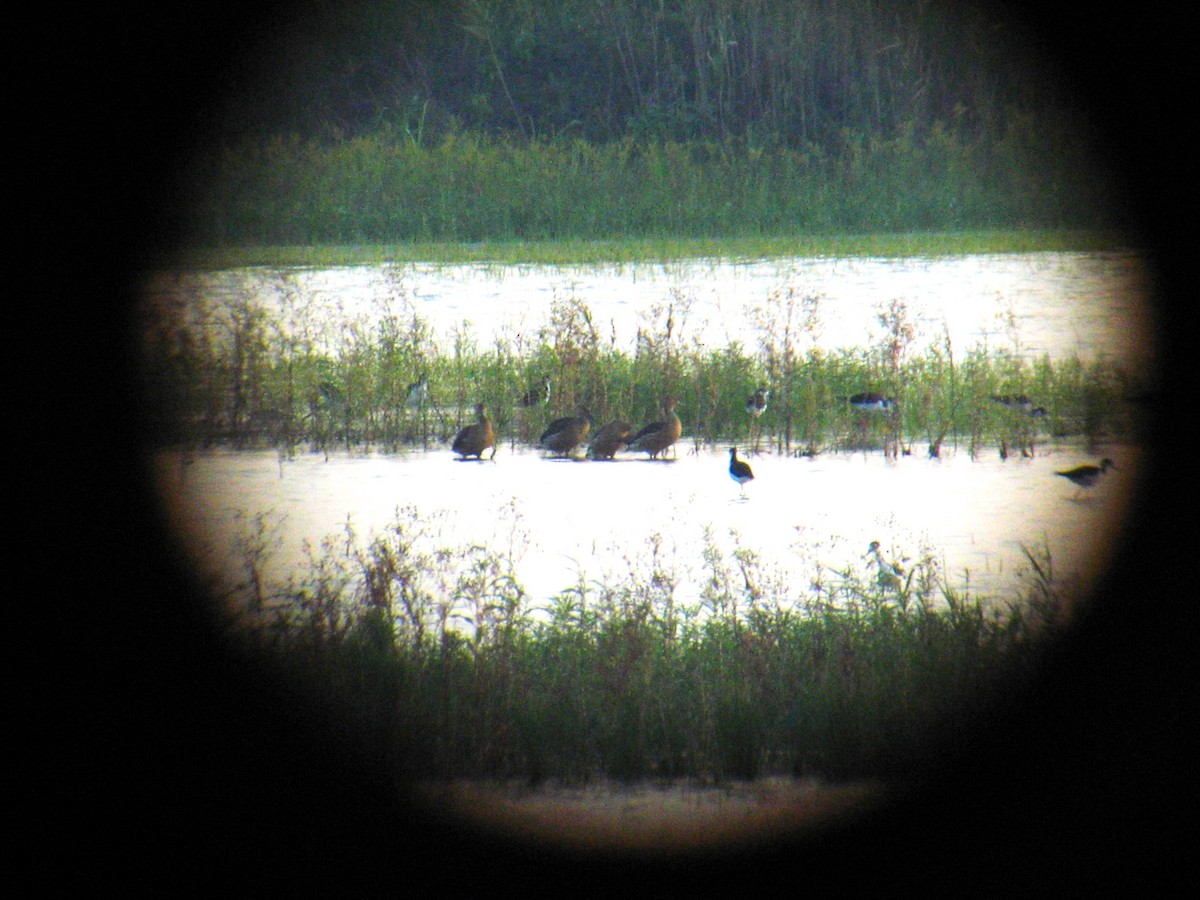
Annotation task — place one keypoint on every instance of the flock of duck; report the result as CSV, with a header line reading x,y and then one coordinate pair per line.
x,y
565,434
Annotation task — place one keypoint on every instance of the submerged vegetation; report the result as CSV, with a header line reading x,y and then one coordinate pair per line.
x,y
442,657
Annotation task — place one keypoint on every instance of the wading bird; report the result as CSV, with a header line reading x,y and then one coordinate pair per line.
x,y
739,470
869,404
609,440
538,394
658,436
1085,477
756,403
418,393
563,435
889,574
872,402
474,439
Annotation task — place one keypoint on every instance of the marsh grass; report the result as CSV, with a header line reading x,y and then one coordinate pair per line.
x,y
229,373
439,652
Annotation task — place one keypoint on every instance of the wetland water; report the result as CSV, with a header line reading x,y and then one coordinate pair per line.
x,y
562,521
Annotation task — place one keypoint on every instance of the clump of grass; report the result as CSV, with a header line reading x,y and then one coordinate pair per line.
x,y
443,653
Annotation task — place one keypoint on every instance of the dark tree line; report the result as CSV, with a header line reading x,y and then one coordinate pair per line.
x,y
754,72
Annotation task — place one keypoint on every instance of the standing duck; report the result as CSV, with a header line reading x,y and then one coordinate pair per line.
x,y
658,436
739,470
610,439
474,439
563,435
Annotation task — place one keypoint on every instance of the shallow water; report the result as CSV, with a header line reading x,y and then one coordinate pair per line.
x,y
564,520
568,521
1061,304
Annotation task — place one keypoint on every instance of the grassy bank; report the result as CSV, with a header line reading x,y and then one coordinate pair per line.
x,y
640,250
386,187
439,653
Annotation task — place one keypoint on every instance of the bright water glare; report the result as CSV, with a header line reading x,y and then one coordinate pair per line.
x,y
1030,304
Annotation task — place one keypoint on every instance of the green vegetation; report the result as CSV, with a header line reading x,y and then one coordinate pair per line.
x,y
227,372
630,250
466,188
610,120
440,653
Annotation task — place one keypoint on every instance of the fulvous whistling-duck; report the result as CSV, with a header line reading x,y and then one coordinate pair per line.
x,y
658,436
610,439
474,439
563,435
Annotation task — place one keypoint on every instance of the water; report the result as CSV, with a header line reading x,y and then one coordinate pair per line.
x,y
1061,304
564,520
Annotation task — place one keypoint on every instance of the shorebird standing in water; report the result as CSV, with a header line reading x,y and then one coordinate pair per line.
x,y
739,470
1085,477
889,574
756,405
418,394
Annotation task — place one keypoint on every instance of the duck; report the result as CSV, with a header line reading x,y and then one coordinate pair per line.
x,y
756,403
1087,476
538,394
474,439
563,435
739,470
609,440
658,436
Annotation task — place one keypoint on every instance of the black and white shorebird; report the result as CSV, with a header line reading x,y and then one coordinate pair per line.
x,y
538,394
756,403
418,394
1021,403
1087,476
739,470
889,574
872,402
